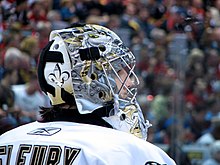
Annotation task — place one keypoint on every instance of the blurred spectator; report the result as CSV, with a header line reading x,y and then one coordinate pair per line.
x,y
160,106
160,112
28,98
212,135
47,5
215,13
195,68
196,124
54,17
159,38
215,154
56,5
14,59
97,19
14,30
67,10
114,23
196,9
7,122
156,9
212,64
175,20
195,62
215,42
42,31
94,7
174,135
37,13
1,68
160,63
81,10
7,8
157,71
129,18
8,111
30,49
114,7
21,12
96,13
144,21
141,46
197,93
213,107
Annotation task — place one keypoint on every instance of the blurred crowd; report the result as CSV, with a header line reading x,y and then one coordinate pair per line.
x,y
176,44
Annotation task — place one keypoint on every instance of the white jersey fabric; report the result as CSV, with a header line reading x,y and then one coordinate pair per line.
x,y
67,143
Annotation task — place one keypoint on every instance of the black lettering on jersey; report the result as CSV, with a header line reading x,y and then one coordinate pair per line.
x,y
2,152
6,150
53,156
38,155
153,163
10,147
23,149
70,154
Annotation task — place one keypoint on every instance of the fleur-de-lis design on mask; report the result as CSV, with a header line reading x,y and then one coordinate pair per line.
x,y
58,77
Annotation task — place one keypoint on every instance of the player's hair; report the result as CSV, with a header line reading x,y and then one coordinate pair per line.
x,y
58,113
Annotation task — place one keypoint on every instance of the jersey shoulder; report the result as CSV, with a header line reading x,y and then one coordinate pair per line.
x,y
104,144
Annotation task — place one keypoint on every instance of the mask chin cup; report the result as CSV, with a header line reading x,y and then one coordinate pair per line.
x,y
128,118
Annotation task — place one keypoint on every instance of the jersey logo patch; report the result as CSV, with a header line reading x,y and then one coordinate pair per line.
x,y
47,131
153,163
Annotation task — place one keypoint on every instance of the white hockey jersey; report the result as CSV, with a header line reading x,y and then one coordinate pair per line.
x,y
68,143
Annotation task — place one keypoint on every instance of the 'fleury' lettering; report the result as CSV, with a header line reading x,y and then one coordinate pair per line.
x,y
37,154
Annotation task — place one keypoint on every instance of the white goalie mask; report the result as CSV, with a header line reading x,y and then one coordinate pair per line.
x,y
88,65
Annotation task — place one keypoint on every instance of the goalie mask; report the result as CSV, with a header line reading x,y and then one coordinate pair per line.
x,y
89,66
